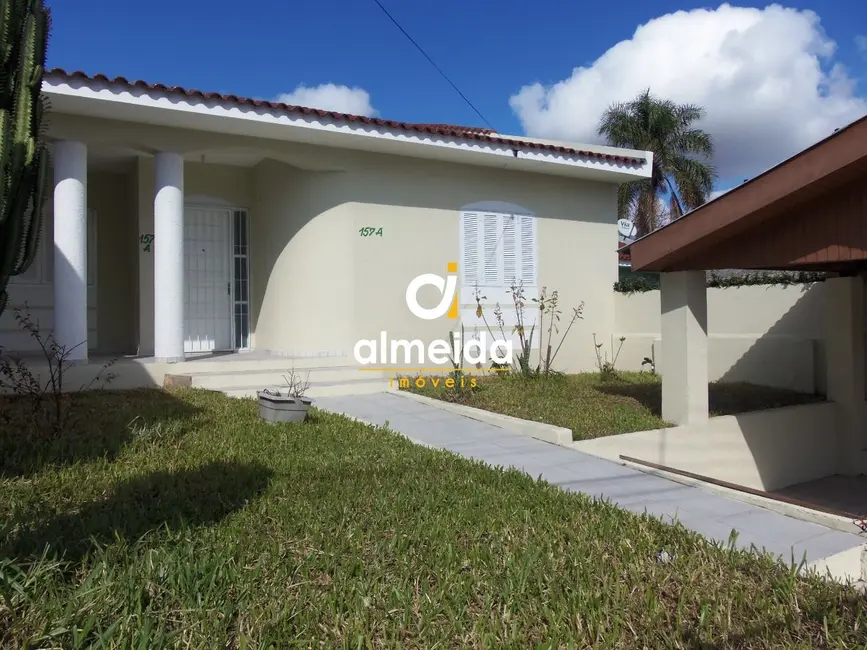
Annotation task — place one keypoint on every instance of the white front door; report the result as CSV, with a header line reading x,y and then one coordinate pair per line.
x,y
208,280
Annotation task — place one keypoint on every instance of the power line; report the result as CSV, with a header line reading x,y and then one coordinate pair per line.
x,y
431,61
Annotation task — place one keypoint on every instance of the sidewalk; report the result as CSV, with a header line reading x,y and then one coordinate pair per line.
x,y
712,515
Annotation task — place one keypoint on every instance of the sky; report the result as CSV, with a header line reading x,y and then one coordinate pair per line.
x,y
773,78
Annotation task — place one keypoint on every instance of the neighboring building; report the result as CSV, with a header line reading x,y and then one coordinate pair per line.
x,y
184,222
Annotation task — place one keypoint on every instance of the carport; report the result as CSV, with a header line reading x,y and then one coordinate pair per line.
x,y
809,213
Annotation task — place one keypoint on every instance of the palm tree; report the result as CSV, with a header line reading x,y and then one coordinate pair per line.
x,y
679,174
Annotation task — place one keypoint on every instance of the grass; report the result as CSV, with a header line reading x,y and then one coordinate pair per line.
x,y
180,520
592,407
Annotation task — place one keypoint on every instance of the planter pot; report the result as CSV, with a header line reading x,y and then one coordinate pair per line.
x,y
274,407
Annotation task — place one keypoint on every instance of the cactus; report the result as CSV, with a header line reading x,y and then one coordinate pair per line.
x,y
24,26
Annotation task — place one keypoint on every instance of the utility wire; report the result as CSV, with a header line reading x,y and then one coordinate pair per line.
x,y
430,60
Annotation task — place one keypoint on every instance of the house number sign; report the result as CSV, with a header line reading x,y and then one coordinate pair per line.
x,y
146,242
370,231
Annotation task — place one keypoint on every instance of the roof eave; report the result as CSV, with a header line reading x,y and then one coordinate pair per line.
x,y
106,99
788,182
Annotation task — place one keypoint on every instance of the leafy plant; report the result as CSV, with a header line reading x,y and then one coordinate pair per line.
x,y
48,396
460,388
607,365
24,27
548,306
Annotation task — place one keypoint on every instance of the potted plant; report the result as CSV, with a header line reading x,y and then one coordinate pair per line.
x,y
289,405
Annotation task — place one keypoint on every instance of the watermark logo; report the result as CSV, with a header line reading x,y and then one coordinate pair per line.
x,y
447,286
439,353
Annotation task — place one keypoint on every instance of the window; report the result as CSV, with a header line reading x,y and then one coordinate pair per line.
x,y
498,249
41,271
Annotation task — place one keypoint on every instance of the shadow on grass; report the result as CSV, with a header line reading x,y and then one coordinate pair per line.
x,y
723,398
100,424
648,394
174,500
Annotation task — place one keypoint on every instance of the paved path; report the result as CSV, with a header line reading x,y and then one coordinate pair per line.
x,y
712,515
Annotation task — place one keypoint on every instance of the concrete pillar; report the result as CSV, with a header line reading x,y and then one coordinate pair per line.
x,y
845,359
168,253
684,347
70,248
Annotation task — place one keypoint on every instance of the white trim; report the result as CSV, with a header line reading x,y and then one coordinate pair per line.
x,y
249,300
111,101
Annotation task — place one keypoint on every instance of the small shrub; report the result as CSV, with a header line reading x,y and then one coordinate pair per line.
x,y
48,399
296,387
459,388
548,306
607,365
649,361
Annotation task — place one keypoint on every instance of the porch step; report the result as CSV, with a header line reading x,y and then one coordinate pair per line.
x,y
359,387
245,362
241,378
276,376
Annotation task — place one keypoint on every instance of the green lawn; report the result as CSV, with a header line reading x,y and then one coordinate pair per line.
x,y
184,521
593,408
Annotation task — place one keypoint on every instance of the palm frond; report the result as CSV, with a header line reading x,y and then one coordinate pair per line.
x,y
678,176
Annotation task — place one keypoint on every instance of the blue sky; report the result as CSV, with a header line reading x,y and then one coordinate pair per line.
x,y
762,92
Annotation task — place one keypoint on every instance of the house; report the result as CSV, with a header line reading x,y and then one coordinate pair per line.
x,y
806,214
187,223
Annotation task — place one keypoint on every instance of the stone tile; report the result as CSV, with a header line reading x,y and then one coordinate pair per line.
x,y
711,515
705,504
767,523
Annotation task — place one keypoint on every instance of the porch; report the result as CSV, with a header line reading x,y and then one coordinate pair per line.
x,y
236,374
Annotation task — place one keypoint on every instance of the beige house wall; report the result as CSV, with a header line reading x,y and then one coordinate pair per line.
x,y
770,335
111,195
319,286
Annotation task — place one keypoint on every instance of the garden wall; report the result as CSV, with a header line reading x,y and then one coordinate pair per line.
x,y
767,334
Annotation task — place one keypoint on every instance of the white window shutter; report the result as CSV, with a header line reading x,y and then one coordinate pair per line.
x,y
492,254
470,266
511,250
529,254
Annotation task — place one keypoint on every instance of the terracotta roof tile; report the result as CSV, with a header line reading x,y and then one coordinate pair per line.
x,y
463,132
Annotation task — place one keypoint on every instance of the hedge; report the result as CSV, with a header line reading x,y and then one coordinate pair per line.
x,y
642,284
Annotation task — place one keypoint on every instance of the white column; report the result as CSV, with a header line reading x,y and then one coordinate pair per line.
x,y
168,251
70,248
845,358
684,347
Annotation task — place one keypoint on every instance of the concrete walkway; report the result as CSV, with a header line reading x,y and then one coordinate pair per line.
x,y
712,515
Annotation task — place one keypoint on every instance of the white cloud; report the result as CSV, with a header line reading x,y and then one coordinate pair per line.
x,y
331,97
861,43
767,78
